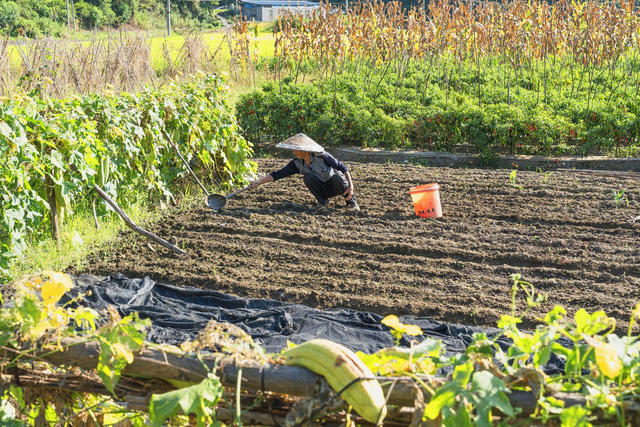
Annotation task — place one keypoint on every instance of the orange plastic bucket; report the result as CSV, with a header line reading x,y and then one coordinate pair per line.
x,y
426,200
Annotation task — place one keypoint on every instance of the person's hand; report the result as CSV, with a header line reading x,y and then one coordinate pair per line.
x,y
262,180
349,192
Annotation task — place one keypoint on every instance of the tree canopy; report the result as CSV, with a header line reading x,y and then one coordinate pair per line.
x,y
33,18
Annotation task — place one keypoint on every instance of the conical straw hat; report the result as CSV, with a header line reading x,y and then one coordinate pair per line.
x,y
301,142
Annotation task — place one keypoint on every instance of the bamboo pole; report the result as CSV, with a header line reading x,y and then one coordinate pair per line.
x,y
160,363
133,226
55,220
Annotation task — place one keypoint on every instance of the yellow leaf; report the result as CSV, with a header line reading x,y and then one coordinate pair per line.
x,y
120,351
290,345
392,322
53,289
607,360
39,329
427,366
412,330
636,312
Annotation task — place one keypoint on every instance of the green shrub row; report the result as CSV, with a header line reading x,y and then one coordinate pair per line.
x,y
418,109
114,141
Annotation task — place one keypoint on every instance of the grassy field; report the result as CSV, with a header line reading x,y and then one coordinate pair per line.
x,y
216,43
161,48
80,237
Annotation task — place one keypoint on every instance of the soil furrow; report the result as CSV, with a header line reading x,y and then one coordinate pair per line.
x,y
566,237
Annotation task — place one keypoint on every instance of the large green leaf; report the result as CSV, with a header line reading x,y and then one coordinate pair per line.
x,y
199,399
575,416
5,130
462,373
460,418
117,345
57,160
445,397
488,392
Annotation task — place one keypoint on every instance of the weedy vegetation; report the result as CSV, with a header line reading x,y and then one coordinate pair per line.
x,y
620,198
53,152
598,379
557,78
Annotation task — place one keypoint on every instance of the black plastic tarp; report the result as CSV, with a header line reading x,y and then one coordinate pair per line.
x,y
179,313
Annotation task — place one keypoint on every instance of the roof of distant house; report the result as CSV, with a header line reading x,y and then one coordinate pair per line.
x,y
286,3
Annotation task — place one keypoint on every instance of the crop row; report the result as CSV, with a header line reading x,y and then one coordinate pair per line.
x,y
593,32
437,108
547,78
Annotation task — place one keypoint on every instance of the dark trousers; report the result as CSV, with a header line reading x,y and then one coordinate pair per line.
x,y
334,186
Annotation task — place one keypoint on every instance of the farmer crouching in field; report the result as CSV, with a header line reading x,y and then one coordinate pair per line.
x,y
323,174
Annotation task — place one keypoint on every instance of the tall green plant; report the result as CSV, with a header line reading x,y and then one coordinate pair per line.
x,y
53,151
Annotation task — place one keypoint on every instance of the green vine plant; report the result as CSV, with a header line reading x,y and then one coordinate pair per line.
x,y
36,325
600,374
600,368
53,151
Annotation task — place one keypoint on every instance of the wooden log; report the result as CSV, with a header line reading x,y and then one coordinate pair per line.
x,y
135,394
127,386
133,226
53,207
155,362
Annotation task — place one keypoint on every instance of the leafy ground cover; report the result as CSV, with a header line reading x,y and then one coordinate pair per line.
x,y
569,235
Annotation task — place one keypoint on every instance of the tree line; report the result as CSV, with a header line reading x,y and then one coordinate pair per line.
x,y
35,18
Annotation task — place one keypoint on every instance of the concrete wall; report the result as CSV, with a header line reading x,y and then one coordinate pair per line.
x,y
271,13
432,158
252,13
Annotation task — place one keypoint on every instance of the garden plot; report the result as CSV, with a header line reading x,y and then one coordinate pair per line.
x,y
569,235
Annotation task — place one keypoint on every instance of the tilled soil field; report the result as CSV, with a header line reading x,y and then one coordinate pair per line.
x,y
567,236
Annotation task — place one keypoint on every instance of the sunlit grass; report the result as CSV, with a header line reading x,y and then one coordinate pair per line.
x,y
79,236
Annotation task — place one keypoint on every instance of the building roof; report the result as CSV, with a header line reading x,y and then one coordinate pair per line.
x,y
285,3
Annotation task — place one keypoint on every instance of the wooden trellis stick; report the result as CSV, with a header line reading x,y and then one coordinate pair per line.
x,y
133,226
160,363
55,221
